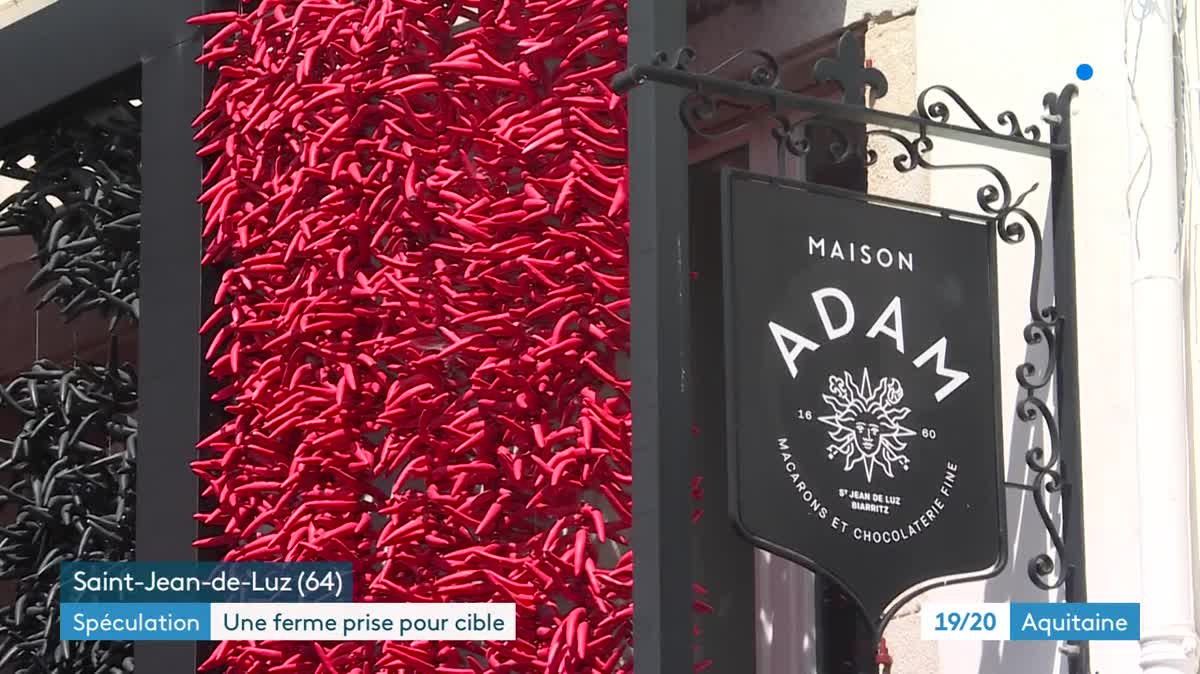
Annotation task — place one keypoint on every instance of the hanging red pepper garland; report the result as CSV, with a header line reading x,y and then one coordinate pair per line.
x,y
423,231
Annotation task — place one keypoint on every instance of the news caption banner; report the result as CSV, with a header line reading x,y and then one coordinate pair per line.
x,y
254,601
1031,622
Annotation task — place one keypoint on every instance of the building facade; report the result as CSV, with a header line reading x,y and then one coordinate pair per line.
x,y
1025,50
1000,56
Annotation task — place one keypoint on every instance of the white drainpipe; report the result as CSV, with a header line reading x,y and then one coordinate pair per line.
x,y
1168,644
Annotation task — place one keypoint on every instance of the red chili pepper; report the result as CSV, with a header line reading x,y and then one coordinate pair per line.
x,y
362,203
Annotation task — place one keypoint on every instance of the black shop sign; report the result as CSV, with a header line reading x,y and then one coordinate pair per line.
x,y
862,400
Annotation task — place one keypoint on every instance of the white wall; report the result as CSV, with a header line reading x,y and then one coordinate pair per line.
x,y
1003,55
15,10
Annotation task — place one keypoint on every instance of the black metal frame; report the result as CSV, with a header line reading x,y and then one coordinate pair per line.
x,y
64,49
659,322
658,243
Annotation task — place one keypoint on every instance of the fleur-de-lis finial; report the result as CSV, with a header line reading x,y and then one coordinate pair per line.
x,y
849,70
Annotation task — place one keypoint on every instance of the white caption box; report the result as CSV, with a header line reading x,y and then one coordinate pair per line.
x,y
364,622
965,622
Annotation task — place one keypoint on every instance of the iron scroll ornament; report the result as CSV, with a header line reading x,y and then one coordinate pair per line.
x,y
860,133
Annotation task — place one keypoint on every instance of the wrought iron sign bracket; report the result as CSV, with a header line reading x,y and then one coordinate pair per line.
x,y
1049,387
762,85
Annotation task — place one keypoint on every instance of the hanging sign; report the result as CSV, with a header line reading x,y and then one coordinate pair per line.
x,y
862,400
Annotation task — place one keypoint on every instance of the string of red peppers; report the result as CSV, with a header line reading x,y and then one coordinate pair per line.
x,y
423,231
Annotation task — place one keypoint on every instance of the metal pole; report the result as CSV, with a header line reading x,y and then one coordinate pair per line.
x,y
782,99
658,254
1067,377
170,358
1159,357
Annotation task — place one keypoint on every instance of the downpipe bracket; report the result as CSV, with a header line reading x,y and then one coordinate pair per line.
x,y
1170,650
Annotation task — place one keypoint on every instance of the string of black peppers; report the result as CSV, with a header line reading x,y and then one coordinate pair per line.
x,y
69,474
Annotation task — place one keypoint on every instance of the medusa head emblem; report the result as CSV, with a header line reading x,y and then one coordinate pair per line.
x,y
865,425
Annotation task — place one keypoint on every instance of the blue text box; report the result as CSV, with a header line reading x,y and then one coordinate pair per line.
x,y
135,622
1075,622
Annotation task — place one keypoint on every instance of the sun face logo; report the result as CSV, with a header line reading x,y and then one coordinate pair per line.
x,y
865,424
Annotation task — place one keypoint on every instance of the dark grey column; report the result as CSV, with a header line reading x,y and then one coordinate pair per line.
x,y
662,584
170,361
1066,379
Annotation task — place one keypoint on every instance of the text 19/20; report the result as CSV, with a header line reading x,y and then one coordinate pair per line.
x,y
972,621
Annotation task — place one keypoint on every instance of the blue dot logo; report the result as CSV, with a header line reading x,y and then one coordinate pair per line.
x,y
1084,72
